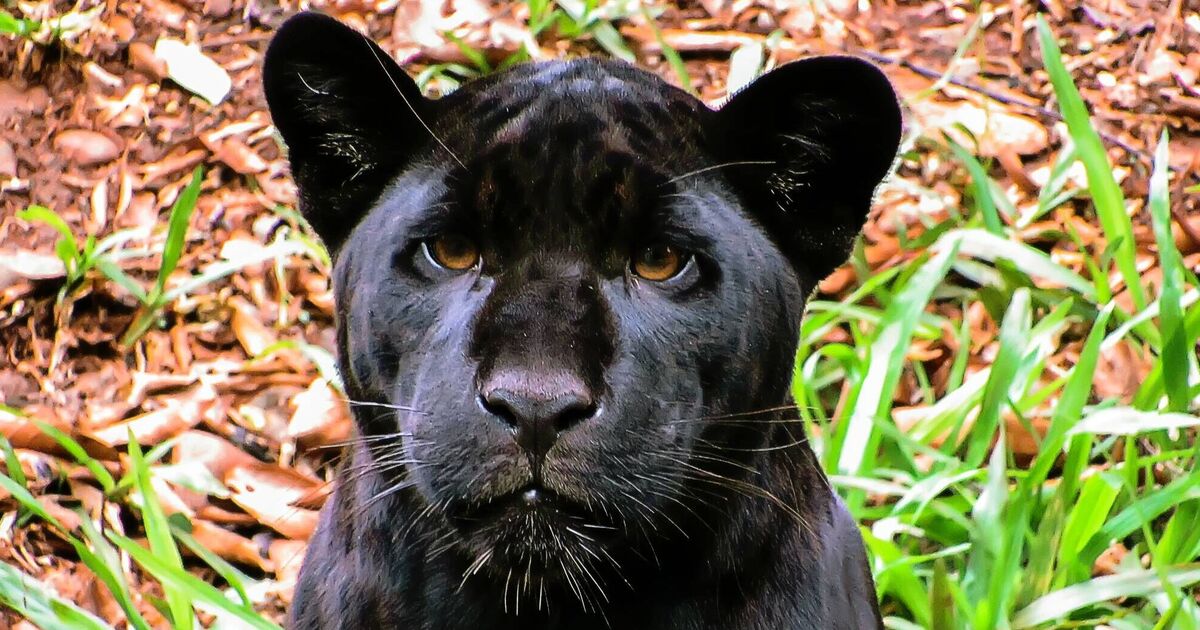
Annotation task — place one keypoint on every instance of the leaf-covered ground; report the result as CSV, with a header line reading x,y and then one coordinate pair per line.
x,y
1008,283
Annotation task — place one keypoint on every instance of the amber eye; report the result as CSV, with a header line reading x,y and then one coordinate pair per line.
x,y
453,251
657,262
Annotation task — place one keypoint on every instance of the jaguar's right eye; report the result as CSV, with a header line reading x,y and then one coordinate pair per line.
x,y
658,262
455,252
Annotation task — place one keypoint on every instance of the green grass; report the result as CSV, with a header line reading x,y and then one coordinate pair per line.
x,y
562,20
963,533
57,28
157,298
105,552
105,256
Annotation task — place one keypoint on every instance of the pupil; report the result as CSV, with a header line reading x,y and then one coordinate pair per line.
x,y
456,248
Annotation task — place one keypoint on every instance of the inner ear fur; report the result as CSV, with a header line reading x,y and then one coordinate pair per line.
x,y
349,115
815,138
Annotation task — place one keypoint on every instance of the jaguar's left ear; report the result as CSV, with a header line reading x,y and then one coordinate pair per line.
x,y
817,137
350,116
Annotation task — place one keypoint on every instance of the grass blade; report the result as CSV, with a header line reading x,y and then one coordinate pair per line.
x,y
1106,194
48,216
230,573
1147,507
117,275
1137,583
174,578
980,187
1130,421
1086,518
941,599
181,214
35,602
605,33
107,483
66,248
1032,262
1014,334
1071,401
13,25
103,560
470,52
28,501
857,443
988,540
1176,347
671,55
158,533
11,462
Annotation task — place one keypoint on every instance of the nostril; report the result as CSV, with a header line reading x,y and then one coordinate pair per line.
x,y
540,414
573,413
498,407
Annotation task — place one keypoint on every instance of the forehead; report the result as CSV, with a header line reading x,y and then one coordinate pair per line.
x,y
581,101
585,144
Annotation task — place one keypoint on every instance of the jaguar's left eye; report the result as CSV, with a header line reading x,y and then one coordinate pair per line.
x,y
452,251
658,262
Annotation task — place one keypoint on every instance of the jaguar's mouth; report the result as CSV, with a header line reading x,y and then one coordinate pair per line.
x,y
536,530
531,500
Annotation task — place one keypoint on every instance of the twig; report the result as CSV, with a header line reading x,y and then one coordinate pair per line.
x,y
998,96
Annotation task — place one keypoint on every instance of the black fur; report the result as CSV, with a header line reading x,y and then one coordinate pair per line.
x,y
546,439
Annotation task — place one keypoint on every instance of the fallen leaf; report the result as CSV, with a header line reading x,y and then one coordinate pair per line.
x,y
1109,561
1120,371
239,156
269,493
26,265
84,147
17,100
178,414
229,545
321,417
994,128
143,59
193,70
8,160
287,556
1019,440
254,336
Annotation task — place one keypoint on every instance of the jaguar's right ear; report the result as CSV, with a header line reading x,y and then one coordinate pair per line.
x,y
350,116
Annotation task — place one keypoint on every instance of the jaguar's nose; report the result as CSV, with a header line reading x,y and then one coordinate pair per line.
x,y
538,405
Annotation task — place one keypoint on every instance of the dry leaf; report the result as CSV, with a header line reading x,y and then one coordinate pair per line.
x,y
229,545
23,265
270,493
178,414
216,453
84,147
8,160
254,336
1120,371
321,417
193,70
143,59
287,556
995,129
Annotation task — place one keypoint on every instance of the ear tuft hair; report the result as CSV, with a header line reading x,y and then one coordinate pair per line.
x,y
818,136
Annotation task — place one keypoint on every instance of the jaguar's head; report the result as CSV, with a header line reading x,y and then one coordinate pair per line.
x,y
570,291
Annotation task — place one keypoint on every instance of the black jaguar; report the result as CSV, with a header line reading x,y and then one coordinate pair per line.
x,y
568,298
